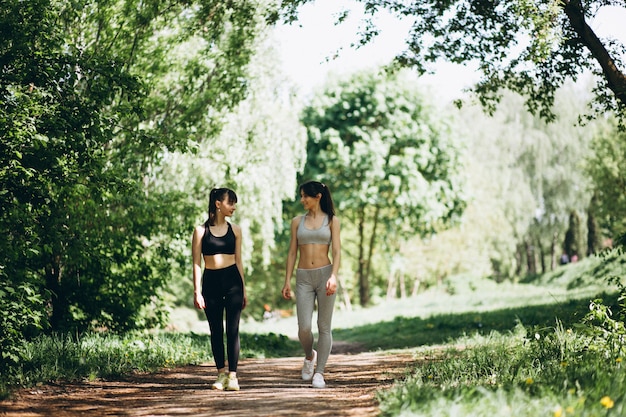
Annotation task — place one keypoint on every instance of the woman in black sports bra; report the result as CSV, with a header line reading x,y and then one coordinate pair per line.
x,y
220,286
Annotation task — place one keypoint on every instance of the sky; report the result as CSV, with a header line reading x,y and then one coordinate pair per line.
x,y
307,46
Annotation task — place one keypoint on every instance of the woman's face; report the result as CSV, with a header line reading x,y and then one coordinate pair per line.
x,y
227,207
309,202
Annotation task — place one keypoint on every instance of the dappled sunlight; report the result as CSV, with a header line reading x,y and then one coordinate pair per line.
x,y
269,387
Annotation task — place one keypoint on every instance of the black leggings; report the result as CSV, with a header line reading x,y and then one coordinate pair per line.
x,y
222,289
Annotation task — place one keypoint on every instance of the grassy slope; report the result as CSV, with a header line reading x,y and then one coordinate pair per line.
x,y
479,306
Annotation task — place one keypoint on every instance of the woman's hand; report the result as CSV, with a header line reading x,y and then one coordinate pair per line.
x,y
198,301
331,285
287,292
245,302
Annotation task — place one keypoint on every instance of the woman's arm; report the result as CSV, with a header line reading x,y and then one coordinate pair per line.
x,y
336,244
291,258
239,261
335,233
196,254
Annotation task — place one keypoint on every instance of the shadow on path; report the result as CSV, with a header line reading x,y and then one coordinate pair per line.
x,y
269,387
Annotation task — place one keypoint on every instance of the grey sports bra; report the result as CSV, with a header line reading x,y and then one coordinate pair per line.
x,y
320,236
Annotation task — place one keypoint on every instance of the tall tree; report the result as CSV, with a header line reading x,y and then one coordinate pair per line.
x,y
388,159
92,94
530,47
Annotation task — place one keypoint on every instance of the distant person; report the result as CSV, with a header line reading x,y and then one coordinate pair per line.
x,y
313,234
564,259
268,314
220,287
574,258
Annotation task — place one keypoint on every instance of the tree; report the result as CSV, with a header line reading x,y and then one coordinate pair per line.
x,y
389,160
573,242
531,48
594,233
607,169
92,95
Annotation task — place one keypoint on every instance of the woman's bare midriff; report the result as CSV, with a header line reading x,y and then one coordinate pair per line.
x,y
313,256
219,261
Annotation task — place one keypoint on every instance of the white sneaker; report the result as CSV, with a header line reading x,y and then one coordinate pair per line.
x,y
232,385
308,367
318,381
220,383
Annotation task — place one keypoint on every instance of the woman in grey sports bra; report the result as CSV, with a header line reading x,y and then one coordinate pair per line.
x,y
313,236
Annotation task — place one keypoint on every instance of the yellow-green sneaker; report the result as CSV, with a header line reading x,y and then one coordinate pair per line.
x,y
221,381
233,384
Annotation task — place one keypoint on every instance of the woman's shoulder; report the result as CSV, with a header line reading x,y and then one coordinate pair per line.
x,y
236,228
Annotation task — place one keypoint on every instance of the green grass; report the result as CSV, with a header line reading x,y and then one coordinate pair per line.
x,y
550,372
509,349
407,332
102,355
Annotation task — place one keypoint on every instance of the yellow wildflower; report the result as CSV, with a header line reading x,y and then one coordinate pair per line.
x,y
607,402
529,381
558,412
618,360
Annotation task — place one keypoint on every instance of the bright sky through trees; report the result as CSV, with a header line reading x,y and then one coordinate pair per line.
x,y
314,47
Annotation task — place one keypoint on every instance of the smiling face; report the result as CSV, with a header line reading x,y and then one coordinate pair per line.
x,y
309,202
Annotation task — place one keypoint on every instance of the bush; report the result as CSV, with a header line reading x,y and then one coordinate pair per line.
x,y
21,313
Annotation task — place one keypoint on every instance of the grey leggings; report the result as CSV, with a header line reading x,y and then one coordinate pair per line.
x,y
311,285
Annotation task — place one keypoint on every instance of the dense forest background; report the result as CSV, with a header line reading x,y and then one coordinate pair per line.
x,y
118,117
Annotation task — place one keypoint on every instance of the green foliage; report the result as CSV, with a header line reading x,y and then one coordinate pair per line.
x,y
524,180
258,152
94,94
406,332
605,322
529,47
573,368
526,373
21,314
62,357
606,167
390,163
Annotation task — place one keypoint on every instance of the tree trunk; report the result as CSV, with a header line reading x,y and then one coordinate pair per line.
x,y
370,254
542,256
531,265
362,277
416,286
391,286
519,256
616,80
553,253
594,242
58,301
345,296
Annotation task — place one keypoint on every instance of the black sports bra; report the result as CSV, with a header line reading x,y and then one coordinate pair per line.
x,y
214,245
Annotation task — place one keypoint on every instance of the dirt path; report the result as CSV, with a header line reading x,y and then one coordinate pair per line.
x,y
269,387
